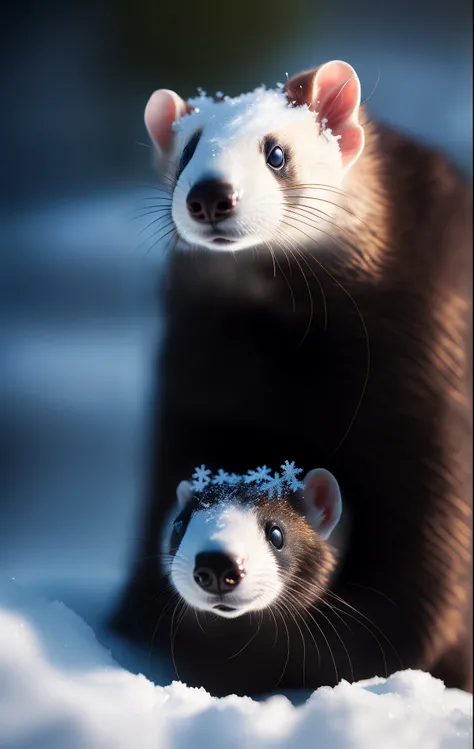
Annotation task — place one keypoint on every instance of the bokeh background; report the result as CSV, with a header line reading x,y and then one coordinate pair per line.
x,y
79,307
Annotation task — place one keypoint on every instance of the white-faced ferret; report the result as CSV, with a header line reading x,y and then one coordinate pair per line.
x,y
247,556
240,544
317,301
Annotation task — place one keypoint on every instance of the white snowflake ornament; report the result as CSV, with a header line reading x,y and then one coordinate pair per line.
x,y
260,478
290,473
260,474
274,486
202,477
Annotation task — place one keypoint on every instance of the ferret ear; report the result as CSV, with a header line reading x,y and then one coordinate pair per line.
x,y
322,501
164,107
184,493
333,92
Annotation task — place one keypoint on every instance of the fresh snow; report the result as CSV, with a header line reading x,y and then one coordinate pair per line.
x,y
228,118
60,689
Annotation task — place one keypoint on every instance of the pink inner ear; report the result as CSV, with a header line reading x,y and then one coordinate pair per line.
x,y
336,94
351,143
322,494
336,99
338,102
163,108
322,501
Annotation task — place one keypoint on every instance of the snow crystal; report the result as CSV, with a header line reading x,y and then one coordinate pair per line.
x,y
60,688
260,474
202,477
221,478
326,131
233,479
274,485
229,116
290,474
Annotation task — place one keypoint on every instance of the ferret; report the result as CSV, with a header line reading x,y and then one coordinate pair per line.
x,y
318,304
233,547
255,553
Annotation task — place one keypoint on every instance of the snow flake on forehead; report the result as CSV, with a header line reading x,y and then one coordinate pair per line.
x,y
253,114
260,479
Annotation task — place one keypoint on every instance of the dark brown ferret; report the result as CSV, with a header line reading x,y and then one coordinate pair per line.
x,y
338,334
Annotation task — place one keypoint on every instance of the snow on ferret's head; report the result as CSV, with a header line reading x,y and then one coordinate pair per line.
x,y
246,171
234,549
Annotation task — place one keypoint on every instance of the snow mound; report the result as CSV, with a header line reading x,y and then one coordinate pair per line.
x,y
60,688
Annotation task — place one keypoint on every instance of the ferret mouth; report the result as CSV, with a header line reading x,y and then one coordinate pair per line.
x,y
233,610
222,241
225,609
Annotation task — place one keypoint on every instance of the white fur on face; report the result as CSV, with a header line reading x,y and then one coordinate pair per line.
x,y
235,531
230,149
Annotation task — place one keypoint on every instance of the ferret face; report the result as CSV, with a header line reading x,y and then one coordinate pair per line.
x,y
239,166
232,552
239,170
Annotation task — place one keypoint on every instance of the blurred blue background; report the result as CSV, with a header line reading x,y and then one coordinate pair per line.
x,y
78,292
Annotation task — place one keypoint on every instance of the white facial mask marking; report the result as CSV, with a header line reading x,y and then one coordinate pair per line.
x,y
235,531
229,149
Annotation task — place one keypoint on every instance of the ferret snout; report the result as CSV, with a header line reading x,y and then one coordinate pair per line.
x,y
224,562
218,573
210,201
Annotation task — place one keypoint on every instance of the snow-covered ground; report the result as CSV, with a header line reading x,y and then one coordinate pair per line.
x,y
60,689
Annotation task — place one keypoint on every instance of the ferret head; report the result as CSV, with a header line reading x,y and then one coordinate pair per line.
x,y
241,171
233,551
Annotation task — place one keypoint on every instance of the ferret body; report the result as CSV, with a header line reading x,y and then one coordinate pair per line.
x,y
338,332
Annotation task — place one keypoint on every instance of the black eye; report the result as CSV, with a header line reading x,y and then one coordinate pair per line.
x,y
188,151
184,158
178,527
276,158
275,536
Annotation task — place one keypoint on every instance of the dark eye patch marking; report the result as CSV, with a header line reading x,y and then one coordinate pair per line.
x,y
178,527
188,151
207,498
279,158
181,522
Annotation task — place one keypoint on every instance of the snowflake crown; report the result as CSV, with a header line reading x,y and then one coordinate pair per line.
x,y
261,478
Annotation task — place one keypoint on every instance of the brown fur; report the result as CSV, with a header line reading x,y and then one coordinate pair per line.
x,y
311,560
